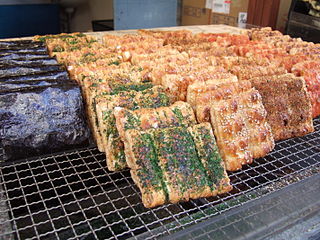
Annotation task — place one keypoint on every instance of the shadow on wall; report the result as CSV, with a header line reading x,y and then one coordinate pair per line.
x,y
86,11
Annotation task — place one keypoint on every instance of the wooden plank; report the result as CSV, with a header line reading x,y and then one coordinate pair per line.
x,y
263,12
258,13
267,12
270,13
274,14
251,11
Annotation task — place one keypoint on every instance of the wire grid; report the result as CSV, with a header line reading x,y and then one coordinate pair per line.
x,y
73,196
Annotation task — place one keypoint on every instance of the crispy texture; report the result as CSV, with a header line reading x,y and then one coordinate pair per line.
x,y
176,164
217,92
287,103
198,88
60,43
163,54
177,84
311,74
241,129
115,156
108,134
210,158
261,140
170,37
231,61
178,114
247,72
145,171
150,197
171,158
182,170
132,42
96,92
104,121
262,33
180,65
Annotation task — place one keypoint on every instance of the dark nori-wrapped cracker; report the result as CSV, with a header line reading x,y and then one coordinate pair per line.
x,y
24,55
33,62
24,50
42,120
54,75
5,86
21,44
15,70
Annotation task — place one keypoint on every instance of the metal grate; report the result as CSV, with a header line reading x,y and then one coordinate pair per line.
x,y
73,196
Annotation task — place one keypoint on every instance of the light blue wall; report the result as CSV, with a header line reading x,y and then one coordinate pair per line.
x,y
135,14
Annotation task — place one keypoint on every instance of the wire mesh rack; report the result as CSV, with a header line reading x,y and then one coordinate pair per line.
x,y
73,196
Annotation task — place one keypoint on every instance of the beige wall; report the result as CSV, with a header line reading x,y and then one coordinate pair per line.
x,y
81,19
88,11
101,9
283,14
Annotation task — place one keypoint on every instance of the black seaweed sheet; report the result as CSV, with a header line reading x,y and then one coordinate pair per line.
x,y
5,86
19,47
42,120
29,64
24,50
21,44
23,62
16,70
28,55
44,75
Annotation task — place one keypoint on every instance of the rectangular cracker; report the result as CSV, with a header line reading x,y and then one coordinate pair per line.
x,y
199,88
186,160
247,72
178,114
241,129
103,90
178,160
177,84
216,92
111,142
288,106
145,170
210,158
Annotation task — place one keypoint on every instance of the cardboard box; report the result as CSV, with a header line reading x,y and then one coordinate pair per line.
x,y
229,12
194,12
203,12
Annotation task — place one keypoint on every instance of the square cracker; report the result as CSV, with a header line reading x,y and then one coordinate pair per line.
x,y
241,129
288,106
